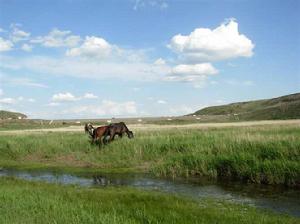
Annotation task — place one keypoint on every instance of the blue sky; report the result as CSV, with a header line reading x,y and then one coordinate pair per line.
x,y
96,59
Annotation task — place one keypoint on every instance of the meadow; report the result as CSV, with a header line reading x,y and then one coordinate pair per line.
x,y
267,154
30,202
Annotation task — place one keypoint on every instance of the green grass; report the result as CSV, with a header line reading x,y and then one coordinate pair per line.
x,y
27,124
284,107
36,202
268,154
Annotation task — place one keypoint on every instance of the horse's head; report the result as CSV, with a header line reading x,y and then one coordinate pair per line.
x,y
88,128
130,134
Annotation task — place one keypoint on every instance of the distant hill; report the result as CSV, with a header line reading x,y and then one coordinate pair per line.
x,y
11,115
284,107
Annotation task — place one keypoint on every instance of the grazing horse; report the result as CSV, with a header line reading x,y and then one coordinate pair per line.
x,y
116,129
95,133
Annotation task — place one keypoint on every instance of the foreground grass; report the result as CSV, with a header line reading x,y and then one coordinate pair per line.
x,y
35,202
264,154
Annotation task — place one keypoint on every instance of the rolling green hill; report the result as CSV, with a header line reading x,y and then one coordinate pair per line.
x,y
13,115
284,107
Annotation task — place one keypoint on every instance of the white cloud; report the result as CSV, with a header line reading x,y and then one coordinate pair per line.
x,y
53,104
57,38
106,108
1,92
92,47
31,100
161,4
235,82
5,45
161,102
64,97
196,74
15,101
17,34
248,83
91,69
89,96
203,44
22,82
7,101
202,69
160,61
136,89
26,47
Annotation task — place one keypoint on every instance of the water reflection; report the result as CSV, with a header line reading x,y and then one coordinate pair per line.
x,y
278,199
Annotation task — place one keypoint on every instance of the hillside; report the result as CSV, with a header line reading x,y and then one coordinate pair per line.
x,y
284,107
13,115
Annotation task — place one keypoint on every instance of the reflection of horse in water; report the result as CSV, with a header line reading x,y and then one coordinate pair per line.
x,y
95,133
100,180
116,129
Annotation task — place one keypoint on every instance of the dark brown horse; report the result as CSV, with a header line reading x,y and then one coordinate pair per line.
x,y
95,133
116,129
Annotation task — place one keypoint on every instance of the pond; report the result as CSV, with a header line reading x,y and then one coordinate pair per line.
x,y
278,199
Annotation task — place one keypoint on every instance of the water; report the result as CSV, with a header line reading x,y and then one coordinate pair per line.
x,y
277,199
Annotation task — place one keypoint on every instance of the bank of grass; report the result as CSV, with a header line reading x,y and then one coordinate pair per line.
x,y
262,154
36,202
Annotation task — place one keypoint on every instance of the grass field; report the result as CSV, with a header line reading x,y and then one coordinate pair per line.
x,y
36,202
264,154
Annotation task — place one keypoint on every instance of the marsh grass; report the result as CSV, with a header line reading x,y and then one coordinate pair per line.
x,y
36,202
264,154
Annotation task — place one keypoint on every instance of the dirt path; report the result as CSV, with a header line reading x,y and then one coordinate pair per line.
x,y
136,127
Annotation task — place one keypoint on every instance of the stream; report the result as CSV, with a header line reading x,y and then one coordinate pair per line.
x,y
279,199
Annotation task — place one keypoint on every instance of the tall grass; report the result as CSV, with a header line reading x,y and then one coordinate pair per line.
x,y
35,202
269,154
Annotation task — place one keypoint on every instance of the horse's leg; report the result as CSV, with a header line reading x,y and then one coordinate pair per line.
x,y
100,142
105,140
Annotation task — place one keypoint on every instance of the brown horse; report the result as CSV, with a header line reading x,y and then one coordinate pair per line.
x,y
116,129
95,133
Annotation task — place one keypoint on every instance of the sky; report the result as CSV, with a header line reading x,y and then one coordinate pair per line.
x,y
66,59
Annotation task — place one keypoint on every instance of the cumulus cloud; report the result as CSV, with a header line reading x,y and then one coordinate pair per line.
x,y
57,38
31,100
22,82
5,45
16,100
92,47
69,97
161,4
194,70
8,100
64,97
53,104
91,69
89,96
106,108
235,82
17,34
26,47
161,102
196,74
160,61
203,44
